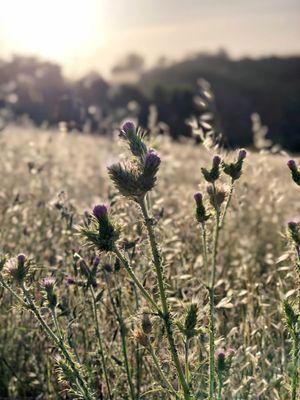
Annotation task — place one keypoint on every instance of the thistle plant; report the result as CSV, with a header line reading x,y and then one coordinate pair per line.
x,y
134,179
15,277
292,309
215,210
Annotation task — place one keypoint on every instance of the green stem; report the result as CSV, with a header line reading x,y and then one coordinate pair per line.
x,y
221,223
212,309
295,354
160,371
163,297
186,354
81,384
100,344
135,279
220,387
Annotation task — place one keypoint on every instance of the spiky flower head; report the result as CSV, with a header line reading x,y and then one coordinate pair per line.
x,y
214,173
216,195
70,280
135,139
201,215
223,360
294,232
295,172
234,169
242,154
18,268
128,127
102,232
191,321
47,284
135,180
100,211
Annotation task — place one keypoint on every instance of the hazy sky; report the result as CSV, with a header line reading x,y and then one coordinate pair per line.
x,y
93,34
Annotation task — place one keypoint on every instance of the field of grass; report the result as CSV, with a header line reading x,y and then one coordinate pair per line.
x,y
48,181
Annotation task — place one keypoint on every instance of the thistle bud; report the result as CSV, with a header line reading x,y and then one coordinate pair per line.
x,y
294,232
242,154
128,127
191,321
100,211
47,284
216,196
17,268
69,280
295,172
292,165
201,215
234,170
214,173
152,160
146,324
221,361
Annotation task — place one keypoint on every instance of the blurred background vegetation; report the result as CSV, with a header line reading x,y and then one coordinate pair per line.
x,y
37,90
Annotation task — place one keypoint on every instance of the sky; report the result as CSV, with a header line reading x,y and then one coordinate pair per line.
x,y
85,35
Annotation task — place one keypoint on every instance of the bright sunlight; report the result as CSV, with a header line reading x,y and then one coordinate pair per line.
x,y
53,29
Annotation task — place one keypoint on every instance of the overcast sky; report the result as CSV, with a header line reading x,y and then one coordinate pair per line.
x,y
93,34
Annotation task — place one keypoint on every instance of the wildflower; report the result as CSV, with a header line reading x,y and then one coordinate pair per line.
x,y
102,232
69,280
191,321
100,211
201,215
294,232
216,196
294,171
234,170
18,268
128,127
47,284
152,160
214,173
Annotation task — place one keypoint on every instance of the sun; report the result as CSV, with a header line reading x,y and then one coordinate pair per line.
x,y
55,29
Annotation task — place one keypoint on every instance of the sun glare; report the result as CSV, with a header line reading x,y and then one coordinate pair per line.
x,y
56,29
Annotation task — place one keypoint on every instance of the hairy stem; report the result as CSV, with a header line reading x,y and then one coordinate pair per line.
x,y
157,261
124,261
100,344
161,373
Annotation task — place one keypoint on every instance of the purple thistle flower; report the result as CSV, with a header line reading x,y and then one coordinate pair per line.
x,y
220,354
21,259
100,211
152,159
292,165
48,283
292,225
216,161
198,197
69,280
128,127
242,154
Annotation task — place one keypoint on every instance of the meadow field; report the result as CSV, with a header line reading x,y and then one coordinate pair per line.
x,y
107,340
